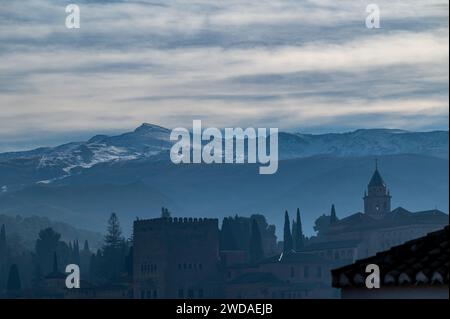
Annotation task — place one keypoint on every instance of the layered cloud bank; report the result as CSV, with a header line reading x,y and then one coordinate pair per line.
x,y
297,65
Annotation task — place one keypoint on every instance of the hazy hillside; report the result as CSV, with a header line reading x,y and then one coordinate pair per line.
x,y
83,182
140,187
23,231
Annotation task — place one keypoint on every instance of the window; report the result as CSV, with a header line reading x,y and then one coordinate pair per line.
x,y
292,272
180,293
155,294
319,272
190,293
200,293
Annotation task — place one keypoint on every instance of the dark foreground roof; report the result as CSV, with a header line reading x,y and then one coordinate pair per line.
x,y
417,262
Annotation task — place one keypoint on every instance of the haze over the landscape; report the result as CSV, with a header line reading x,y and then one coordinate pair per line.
x,y
131,174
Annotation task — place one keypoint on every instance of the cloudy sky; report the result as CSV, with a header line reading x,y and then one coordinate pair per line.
x,y
309,66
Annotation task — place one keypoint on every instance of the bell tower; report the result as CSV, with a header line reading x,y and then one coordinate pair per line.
x,y
377,199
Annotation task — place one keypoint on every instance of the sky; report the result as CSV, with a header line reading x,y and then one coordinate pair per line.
x,y
302,66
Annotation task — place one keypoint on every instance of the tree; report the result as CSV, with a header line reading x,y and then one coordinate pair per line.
x,y
112,261
129,262
287,239
113,238
85,257
13,284
294,235
76,253
3,257
322,224
2,242
256,249
298,237
227,239
46,245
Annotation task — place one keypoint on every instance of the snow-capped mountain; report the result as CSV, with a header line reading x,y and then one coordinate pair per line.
x,y
152,142
145,141
132,173
365,142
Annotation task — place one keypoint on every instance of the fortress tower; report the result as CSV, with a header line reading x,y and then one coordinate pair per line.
x,y
175,257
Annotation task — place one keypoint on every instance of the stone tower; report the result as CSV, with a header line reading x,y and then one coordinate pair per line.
x,y
377,200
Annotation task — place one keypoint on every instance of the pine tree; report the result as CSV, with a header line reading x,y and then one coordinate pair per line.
x,y
299,242
287,243
14,284
112,262
333,217
113,238
256,249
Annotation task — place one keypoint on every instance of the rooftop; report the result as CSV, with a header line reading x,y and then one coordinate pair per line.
x,y
421,261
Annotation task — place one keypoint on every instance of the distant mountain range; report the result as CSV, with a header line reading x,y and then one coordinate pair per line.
x,y
82,182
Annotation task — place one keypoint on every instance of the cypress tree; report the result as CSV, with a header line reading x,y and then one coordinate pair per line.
x,y
76,252
13,284
3,247
294,235
2,238
287,240
299,229
256,249
86,246
227,239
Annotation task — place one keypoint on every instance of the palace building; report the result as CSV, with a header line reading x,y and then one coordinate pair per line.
x,y
376,229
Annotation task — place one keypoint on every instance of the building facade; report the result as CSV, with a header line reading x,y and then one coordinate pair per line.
x,y
376,229
176,258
